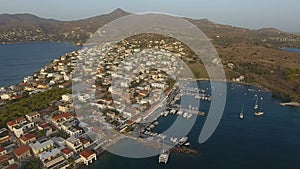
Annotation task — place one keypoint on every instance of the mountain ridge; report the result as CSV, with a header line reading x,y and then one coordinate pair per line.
x,y
256,54
30,27
118,11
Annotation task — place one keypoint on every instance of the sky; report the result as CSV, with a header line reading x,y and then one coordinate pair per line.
x,y
254,14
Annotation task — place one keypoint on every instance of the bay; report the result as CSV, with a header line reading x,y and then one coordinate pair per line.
x,y
271,141
20,60
294,50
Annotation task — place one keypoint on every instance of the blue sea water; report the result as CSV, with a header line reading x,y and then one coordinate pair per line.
x,y
271,141
20,60
295,50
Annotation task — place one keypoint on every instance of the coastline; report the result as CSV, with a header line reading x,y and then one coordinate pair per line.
x,y
290,104
264,89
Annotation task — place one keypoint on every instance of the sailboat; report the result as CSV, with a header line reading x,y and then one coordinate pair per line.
x,y
260,112
256,103
242,113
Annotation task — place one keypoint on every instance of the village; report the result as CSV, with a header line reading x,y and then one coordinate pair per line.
x,y
58,135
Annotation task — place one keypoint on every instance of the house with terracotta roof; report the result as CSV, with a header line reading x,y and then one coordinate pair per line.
x,y
22,152
88,156
67,152
2,151
62,117
13,166
6,160
85,142
28,138
4,135
16,122
19,126
67,122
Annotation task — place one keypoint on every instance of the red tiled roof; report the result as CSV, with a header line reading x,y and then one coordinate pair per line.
x,y
66,151
1,149
44,125
13,166
13,122
52,127
20,119
86,153
10,123
5,157
64,115
21,150
18,96
83,140
28,136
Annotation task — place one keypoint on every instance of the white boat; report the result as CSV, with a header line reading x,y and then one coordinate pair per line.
x,y
260,112
180,112
173,111
242,113
189,116
185,115
256,104
187,144
183,140
241,116
163,157
166,113
175,140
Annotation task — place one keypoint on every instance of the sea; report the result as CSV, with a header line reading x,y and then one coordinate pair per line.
x,y
295,50
20,60
268,142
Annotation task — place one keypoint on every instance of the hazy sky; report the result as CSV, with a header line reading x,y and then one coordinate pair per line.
x,y
281,14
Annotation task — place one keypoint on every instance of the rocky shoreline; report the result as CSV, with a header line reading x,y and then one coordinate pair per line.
x,y
290,104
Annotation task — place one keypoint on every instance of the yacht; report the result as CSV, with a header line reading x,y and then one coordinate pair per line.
x,y
163,157
259,113
183,140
